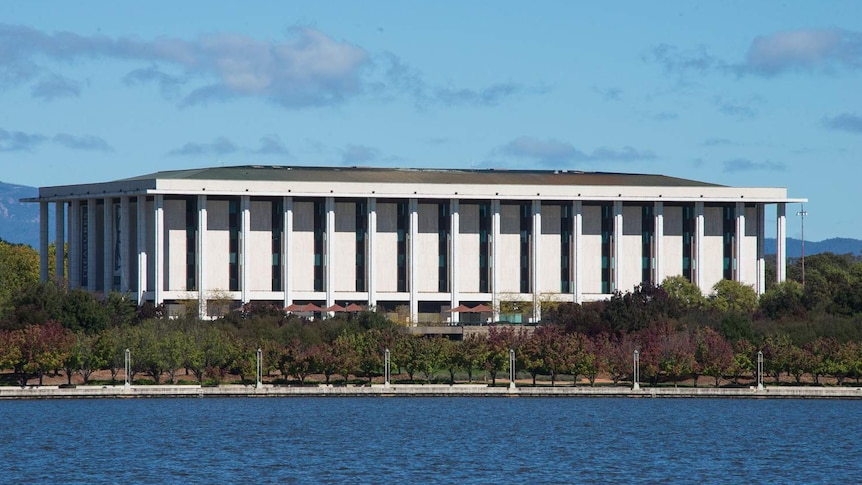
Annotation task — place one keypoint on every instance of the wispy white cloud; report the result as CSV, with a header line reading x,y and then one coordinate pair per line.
x,y
308,68
399,77
741,110
745,165
353,154
679,61
54,87
611,93
844,122
85,142
270,145
804,50
19,141
716,142
219,146
552,152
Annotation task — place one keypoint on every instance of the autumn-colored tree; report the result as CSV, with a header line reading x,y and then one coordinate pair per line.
x,y
714,354
500,341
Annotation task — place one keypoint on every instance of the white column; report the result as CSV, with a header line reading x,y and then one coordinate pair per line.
x,y
658,244
536,259
60,240
454,229
91,245
495,257
371,269
43,241
698,244
74,243
329,260
739,239
108,245
201,256
761,259
244,247
158,250
412,260
286,245
125,243
577,230
781,244
617,249
142,247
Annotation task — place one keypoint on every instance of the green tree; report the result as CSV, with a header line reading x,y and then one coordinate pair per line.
x,y
733,296
19,268
683,295
85,357
783,300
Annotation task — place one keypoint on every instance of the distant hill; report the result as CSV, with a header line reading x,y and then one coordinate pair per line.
x,y
836,245
19,222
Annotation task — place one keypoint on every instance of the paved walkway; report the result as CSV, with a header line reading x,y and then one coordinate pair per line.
x,y
433,390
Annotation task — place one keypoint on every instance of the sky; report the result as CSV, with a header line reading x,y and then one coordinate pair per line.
x,y
755,94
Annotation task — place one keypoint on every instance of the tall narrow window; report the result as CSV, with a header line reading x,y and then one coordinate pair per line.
x,y
443,220
647,243
484,246
607,248
319,244
688,228
526,233
277,225
85,251
191,243
728,239
566,247
233,231
403,225
361,239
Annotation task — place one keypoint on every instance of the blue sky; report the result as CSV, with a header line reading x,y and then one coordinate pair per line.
x,y
736,93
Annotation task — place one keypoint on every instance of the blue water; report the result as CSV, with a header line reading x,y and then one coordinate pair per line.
x,y
409,440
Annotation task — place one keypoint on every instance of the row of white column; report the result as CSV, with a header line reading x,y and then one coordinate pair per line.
x,y
74,221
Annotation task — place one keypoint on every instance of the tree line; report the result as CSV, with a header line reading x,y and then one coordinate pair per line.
x,y
805,333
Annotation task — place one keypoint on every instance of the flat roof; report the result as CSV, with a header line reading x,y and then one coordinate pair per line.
x,y
422,183
277,173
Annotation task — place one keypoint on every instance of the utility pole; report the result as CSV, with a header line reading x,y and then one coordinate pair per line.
x,y
802,213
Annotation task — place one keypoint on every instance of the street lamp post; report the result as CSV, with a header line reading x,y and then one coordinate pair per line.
x,y
511,368
759,370
259,368
128,368
802,213
386,368
636,371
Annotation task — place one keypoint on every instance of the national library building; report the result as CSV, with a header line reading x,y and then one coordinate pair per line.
x,y
424,241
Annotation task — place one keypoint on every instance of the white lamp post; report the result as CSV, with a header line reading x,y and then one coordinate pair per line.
x,y
259,368
636,371
128,368
511,368
759,370
386,368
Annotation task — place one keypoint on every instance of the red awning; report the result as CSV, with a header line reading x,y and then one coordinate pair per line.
x,y
459,308
480,309
334,308
308,307
353,307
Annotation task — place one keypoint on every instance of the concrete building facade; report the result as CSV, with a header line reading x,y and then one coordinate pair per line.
x,y
424,240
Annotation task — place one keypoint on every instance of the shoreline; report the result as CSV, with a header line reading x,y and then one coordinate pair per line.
x,y
420,390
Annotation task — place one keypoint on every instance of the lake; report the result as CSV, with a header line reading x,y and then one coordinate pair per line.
x,y
450,440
